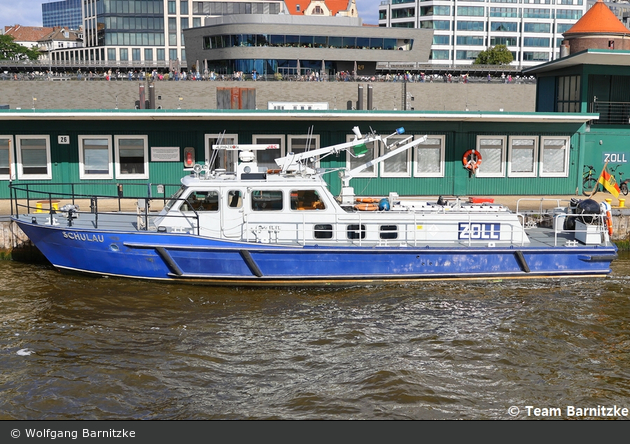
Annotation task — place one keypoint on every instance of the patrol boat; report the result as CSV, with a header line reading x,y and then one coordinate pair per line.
x,y
282,227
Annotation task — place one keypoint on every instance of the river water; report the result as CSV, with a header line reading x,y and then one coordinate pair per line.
x,y
76,347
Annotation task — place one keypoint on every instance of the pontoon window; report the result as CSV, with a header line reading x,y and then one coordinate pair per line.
x,y
266,200
430,157
132,159
522,156
221,159
554,158
267,158
5,142
492,150
306,200
300,144
398,164
33,157
95,157
361,154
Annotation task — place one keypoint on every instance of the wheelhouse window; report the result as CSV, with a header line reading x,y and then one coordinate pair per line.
x,y
199,201
399,164
306,200
132,157
266,200
300,144
6,158
361,154
430,157
235,199
267,158
492,150
522,156
95,157
221,158
554,157
33,156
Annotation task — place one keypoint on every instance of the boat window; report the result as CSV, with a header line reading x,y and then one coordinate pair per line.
x,y
266,200
235,199
306,200
201,201
174,199
356,231
323,231
388,232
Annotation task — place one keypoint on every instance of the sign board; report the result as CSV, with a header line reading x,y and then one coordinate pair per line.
x,y
615,157
248,147
63,140
165,154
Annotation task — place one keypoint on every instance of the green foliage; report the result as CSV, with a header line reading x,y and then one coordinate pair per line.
x,y
9,50
495,55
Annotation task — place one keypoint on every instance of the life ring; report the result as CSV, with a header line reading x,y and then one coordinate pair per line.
x,y
367,199
469,159
366,207
274,171
609,223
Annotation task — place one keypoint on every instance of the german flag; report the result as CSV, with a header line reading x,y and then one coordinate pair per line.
x,y
609,183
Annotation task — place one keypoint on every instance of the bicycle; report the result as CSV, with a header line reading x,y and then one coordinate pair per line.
x,y
590,181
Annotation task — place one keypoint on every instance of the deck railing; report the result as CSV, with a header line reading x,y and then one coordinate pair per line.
x,y
611,113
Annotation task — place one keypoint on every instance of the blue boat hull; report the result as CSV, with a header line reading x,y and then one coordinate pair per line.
x,y
181,257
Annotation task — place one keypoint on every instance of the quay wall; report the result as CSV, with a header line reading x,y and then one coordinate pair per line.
x,y
427,96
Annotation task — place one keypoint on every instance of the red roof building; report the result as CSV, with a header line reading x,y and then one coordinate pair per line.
x,y
27,35
599,28
329,8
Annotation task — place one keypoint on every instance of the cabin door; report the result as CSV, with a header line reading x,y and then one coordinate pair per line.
x,y
232,215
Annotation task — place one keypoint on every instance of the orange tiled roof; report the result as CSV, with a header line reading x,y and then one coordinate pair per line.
x,y
27,33
598,20
334,5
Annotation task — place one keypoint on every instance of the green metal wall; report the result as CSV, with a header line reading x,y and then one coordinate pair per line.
x,y
460,136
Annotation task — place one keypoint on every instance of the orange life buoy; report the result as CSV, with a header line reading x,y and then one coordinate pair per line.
x,y
367,199
366,207
609,223
471,159
274,171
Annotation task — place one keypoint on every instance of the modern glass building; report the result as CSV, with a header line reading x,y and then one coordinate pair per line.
x,y
66,13
531,29
148,33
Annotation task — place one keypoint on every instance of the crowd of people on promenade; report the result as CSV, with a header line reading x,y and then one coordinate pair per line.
x,y
305,75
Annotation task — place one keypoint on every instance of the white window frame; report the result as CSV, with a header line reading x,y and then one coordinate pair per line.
x,y
280,137
442,157
82,173
314,143
406,153
11,158
120,175
533,173
503,162
20,166
366,172
567,151
230,158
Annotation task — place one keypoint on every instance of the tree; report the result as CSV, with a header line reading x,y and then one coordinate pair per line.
x,y
495,55
9,50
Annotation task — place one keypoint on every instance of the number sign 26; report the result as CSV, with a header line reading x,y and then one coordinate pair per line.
x,y
63,140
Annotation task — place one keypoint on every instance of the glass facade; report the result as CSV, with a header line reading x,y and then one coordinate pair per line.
x,y
66,13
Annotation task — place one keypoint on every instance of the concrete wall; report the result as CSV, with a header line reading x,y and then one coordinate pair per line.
x,y
437,96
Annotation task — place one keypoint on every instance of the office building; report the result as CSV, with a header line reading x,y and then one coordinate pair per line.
x,y
66,14
532,29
